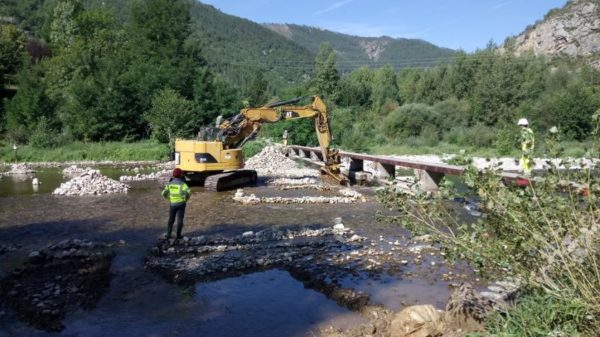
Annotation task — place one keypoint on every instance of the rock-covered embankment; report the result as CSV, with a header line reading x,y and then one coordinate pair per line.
x,y
91,183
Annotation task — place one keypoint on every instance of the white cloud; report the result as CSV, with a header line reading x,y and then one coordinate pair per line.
x,y
502,4
334,6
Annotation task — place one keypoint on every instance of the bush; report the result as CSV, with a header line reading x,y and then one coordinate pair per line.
x,y
507,140
458,135
481,136
541,315
548,240
430,135
43,136
452,113
408,120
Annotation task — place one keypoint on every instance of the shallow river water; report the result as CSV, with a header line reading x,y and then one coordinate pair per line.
x,y
141,303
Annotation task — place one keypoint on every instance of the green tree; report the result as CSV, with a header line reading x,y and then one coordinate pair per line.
x,y
171,116
159,28
12,49
64,26
385,88
257,92
29,105
356,88
327,76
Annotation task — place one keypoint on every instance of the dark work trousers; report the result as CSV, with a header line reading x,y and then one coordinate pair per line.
x,y
179,211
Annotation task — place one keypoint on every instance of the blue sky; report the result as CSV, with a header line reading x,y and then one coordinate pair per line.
x,y
465,24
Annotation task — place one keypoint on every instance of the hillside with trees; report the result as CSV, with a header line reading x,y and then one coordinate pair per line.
x,y
354,52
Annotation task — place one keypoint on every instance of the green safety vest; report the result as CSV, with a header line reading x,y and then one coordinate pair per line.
x,y
527,140
177,192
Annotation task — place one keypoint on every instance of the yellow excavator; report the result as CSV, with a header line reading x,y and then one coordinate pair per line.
x,y
216,160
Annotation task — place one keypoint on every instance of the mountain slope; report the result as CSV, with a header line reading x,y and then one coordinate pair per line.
x,y
573,30
354,51
235,45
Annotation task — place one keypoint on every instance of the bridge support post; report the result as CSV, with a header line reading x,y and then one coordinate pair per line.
x,y
301,153
356,170
428,181
386,171
356,165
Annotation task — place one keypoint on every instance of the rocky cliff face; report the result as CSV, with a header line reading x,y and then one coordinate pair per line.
x,y
573,30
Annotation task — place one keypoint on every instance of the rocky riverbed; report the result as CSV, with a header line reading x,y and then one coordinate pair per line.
x,y
319,258
61,277
322,258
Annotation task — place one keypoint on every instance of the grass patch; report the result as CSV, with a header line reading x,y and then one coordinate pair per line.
x,y
78,151
541,315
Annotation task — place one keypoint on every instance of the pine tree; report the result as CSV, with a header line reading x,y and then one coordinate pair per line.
x,y
327,80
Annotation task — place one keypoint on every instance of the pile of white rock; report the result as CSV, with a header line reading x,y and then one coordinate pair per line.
x,y
290,182
18,169
149,176
272,162
347,196
91,183
74,170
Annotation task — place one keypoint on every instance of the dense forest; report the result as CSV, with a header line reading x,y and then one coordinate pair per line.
x,y
130,70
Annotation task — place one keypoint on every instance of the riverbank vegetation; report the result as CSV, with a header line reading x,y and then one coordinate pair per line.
x,y
544,235
79,151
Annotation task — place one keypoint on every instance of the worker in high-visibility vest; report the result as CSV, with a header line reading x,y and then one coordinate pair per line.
x,y
177,192
527,146
285,137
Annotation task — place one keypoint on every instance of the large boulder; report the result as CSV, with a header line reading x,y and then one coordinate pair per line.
x,y
417,321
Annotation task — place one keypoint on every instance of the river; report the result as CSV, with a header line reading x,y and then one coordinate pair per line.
x,y
141,303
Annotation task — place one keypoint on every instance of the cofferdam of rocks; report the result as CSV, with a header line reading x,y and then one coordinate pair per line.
x,y
83,254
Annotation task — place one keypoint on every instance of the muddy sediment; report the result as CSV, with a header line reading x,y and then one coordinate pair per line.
x,y
52,281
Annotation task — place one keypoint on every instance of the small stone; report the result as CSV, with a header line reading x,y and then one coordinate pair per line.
x,y
248,234
35,253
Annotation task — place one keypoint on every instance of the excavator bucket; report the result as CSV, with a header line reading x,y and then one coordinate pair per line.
x,y
332,175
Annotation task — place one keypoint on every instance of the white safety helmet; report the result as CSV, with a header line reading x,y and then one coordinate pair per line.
x,y
523,122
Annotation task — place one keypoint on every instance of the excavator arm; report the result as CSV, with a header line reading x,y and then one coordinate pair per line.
x,y
234,133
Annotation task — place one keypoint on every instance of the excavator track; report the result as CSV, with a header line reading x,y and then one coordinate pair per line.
x,y
230,180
